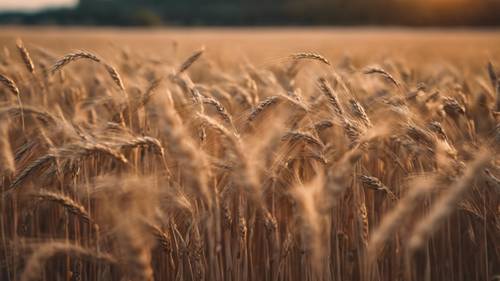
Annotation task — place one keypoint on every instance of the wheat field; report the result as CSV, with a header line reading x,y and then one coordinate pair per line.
x,y
295,154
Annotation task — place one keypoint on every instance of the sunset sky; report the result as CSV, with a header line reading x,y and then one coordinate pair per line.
x,y
33,4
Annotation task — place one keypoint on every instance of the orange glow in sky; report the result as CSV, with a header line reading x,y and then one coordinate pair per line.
x,y
445,3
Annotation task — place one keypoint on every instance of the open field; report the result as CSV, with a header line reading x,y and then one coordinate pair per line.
x,y
238,154
262,45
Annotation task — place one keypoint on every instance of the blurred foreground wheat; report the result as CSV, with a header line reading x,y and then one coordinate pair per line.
x,y
131,168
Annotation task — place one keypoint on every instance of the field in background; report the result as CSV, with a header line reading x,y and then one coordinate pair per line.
x,y
265,44
249,154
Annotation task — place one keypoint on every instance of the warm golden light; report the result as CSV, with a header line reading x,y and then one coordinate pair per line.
x,y
34,4
445,11
445,3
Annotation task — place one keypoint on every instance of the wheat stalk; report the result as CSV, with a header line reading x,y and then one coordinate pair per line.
x,y
10,84
72,57
25,55
310,56
359,111
190,60
69,204
7,163
220,110
79,55
380,71
375,184
331,96
262,107
492,74
30,169
446,203
36,262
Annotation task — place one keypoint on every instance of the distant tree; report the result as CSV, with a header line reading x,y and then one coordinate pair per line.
x,y
265,12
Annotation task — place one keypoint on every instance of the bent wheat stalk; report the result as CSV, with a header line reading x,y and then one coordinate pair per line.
x,y
447,202
310,56
69,204
394,218
35,264
72,57
380,71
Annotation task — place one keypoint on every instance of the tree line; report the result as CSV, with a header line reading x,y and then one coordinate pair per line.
x,y
267,12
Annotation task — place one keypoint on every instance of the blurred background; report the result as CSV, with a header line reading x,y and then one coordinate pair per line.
x,y
251,12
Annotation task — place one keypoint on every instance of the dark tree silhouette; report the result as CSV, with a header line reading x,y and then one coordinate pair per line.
x,y
269,12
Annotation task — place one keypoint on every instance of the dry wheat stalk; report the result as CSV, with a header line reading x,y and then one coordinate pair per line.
x,y
322,125
144,142
7,164
380,71
306,198
352,130
310,56
492,74
359,111
115,76
33,167
153,86
420,135
25,55
35,264
446,203
87,149
10,84
308,138
494,181
452,107
162,237
43,116
59,64
196,254
181,145
220,110
498,95
364,225
331,95
231,136
71,152
69,204
396,216
437,128
375,184
190,60
263,106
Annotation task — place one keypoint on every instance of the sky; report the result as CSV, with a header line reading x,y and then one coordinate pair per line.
x,y
28,5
